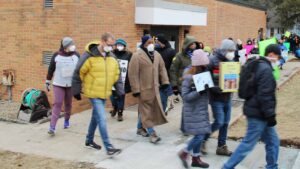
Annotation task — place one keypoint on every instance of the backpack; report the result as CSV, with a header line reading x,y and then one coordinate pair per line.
x,y
247,85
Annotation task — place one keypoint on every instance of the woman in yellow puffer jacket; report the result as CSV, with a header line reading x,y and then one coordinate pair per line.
x,y
96,73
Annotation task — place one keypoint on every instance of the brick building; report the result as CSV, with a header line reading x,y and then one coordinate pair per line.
x,y
31,30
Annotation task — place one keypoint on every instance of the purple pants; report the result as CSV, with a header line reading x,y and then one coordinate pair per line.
x,y
61,94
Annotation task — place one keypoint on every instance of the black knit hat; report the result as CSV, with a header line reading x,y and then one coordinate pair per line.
x,y
162,38
273,48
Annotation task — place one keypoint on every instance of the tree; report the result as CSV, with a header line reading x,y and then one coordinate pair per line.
x,y
289,13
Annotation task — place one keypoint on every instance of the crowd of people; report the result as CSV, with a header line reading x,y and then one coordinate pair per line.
x,y
153,74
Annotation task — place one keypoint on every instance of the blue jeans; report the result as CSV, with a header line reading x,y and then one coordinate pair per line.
x,y
257,129
195,144
118,104
140,125
222,114
98,118
164,94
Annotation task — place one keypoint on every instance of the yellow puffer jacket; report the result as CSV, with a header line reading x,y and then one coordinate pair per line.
x,y
98,74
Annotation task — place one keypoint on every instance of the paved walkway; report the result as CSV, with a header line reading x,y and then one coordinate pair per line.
x,y
138,153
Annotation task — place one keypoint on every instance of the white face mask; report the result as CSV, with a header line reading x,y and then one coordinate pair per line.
x,y
107,49
72,48
120,48
230,55
150,47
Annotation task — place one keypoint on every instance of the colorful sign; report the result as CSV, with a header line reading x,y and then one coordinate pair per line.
x,y
229,76
264,44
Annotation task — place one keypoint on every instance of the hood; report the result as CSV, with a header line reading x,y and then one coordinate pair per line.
x,y
92,48
188,41
220,54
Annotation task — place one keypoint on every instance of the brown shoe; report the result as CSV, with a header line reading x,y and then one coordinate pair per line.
x,y
142,132
223,151
197,162
203,148
184,158
154,138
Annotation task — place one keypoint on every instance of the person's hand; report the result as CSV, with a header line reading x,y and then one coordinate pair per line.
x,y
217,90
175,90
116,95
164,86
272,121
77,96
136,94
48,85
205,90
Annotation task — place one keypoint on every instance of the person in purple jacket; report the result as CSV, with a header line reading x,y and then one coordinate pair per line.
x,y
61,69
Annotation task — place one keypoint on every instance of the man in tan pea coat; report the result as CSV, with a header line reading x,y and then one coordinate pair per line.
x,y
147,73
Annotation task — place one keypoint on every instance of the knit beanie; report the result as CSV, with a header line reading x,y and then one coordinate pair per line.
x,y
162,38
273,48
228,45
67,41
199,58
121,41
145,39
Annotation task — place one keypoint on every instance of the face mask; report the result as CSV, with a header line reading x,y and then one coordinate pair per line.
x,y
150,48
120,48
107,49
72,48
230,55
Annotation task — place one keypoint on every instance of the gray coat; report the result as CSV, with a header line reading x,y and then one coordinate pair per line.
x,y
195,109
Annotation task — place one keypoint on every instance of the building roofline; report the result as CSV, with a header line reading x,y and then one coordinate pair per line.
x,y
245,4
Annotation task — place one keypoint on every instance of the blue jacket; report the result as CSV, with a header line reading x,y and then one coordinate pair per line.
x,y
262,105
195,109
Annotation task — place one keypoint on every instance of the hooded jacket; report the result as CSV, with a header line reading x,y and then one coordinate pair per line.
x,y
62,66
181,62
95,74
168,54
214,67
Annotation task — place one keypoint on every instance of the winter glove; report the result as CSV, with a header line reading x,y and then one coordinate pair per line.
x,y
272,121
136,94
175,90
164,86
48,85
77,97
216,90
116,95
204,91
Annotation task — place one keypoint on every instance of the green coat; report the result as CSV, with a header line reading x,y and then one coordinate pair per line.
x,y
181,62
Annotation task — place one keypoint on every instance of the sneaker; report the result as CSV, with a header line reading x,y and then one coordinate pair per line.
x,y
93,145
66,124
203,148
223,151
142,132
113,152
51,131
197,162
154,138
113,113
184,158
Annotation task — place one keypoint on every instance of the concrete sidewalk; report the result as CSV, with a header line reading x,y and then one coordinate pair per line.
x,y
138,153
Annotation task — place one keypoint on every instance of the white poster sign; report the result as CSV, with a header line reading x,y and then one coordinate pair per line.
x,y
201,80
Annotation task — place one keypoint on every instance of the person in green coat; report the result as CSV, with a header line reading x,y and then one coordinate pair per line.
x,y
182,61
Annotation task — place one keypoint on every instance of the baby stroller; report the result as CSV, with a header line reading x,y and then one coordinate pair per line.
x,y
35,105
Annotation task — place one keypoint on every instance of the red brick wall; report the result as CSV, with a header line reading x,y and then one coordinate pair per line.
x,y
27,29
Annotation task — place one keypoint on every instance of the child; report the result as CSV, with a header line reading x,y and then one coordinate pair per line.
x,y
195,111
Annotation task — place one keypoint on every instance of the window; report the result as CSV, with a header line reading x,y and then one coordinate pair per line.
x,y
47,55
272,32
48,3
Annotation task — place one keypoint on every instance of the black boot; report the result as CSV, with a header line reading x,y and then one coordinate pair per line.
x,y
120,115
113,112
